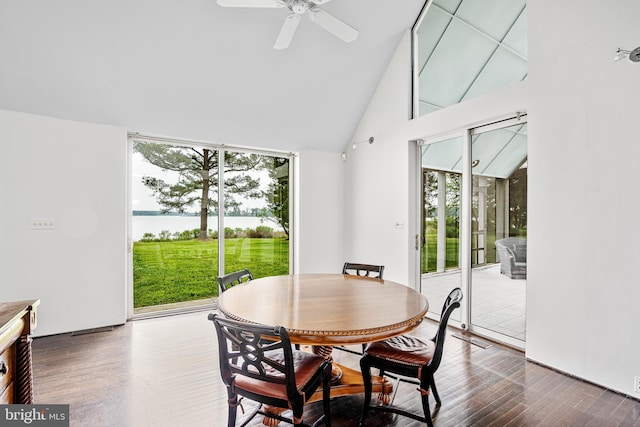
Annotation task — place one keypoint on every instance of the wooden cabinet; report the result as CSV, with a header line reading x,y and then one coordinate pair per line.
x,y
17,320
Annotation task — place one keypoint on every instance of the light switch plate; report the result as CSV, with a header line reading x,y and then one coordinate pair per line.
x,y
43,224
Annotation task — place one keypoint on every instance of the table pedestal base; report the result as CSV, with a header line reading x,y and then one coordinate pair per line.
x,y
350,383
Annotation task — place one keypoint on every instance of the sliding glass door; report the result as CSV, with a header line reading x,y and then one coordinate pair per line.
x,y
499,229
440,268
473,226
256,223
201,211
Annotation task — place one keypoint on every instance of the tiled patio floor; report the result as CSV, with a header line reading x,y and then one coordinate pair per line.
x,y
498,303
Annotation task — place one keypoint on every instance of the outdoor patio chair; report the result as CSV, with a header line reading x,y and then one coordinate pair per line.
x,y
269,371
411,358
513,257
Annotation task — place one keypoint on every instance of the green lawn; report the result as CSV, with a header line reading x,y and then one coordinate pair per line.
x,y
429,258
184,270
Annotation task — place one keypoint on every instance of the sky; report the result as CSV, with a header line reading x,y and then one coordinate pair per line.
x,y
142,197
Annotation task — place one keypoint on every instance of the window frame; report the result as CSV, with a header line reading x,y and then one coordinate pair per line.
x,y
188,143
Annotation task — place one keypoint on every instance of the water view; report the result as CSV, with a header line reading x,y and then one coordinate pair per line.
x,y
154,224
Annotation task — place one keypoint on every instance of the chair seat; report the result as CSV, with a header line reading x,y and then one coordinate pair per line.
x,y
404,349
306,366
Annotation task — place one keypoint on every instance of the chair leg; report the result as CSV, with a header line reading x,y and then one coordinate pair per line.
x,y
297,413
425,408
326,398
366,379
233,408
435,391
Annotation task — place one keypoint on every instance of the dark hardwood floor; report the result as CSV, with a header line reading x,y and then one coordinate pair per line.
x,y
164,372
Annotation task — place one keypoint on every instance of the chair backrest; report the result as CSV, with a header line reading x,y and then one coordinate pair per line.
x,y
368,270
228,280
256,351
450,303
513,246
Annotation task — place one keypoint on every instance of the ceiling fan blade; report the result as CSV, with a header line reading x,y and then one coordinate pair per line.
x,y
287,31
319,2
332,24
251,3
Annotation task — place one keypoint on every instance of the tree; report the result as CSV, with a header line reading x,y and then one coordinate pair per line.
x,y
518,203
197,185
452,200
277,193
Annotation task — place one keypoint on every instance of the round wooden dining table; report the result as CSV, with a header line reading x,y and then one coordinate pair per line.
x,y
325,310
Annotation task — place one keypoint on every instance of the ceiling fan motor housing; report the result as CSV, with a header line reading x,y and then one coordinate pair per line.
x,y
299,7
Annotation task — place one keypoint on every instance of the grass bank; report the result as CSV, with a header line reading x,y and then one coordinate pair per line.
x,y
184,270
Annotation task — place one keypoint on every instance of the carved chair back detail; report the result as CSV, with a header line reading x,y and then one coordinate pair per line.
x,y
259,363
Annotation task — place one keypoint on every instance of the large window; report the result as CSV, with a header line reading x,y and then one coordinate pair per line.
x,y
465,48
201,211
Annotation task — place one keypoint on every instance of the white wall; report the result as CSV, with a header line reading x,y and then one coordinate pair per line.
x,y
74,173
377,178
583,178
319,213
582,310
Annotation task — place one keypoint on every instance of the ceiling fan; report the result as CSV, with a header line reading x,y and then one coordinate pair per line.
x,y
298,8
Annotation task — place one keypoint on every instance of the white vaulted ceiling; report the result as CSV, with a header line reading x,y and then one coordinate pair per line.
x,y
192,69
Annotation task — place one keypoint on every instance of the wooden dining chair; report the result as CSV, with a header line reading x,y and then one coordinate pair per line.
x,y
231,279
409,357
363,270
257,362
367,270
